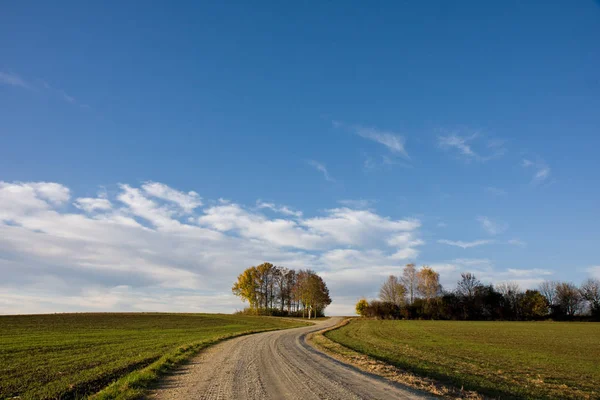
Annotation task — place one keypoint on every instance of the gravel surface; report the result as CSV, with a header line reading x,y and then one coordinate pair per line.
x,y
275,365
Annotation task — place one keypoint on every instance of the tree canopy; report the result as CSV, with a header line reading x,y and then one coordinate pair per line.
x,y
273,290
417,293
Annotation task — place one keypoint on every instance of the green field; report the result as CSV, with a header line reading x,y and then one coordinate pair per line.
x,y
530,360
70,355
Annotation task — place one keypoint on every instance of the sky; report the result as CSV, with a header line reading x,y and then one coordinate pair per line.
x,y
150,152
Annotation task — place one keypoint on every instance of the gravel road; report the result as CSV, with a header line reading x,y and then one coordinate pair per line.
x,y
275,365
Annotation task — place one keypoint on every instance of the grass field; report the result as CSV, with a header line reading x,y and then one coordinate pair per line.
x,y
71,355
530,360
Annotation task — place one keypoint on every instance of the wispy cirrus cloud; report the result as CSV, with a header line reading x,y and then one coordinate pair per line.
x,y
465,245
492,227
541,170
356,203
322,168
393,141
10,79
517,242
464,146
60,93
285,210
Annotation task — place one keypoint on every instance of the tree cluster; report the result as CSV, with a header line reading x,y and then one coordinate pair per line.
x,y
418,294
273,290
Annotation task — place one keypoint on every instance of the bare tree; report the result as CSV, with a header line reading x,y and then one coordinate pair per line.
x,y
409,280
590,291
568,298
392,291
548,290
467,285
512,294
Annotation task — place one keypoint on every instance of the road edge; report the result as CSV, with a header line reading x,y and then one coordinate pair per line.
x,y
368,364
139,383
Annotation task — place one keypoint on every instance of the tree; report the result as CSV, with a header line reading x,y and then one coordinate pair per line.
x,y
548,290
269,289
393,291
361,307
265,283
467,285
313,292
533,305
590,292
510,292
466,289
488,303
428,283
568,299
409,280
246,287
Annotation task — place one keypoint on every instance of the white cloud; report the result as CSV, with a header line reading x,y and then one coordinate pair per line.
x,y
487,273
136,251
407,253
7,78
187,201
471,262
392,141
594,271
278,232
464,146
141,206
458,142
517,242
536,272
491,227
541,170
320,167
349,226
442,225
63,95
465,245
11,79
17,198
92,204
358,203
404,239
285,210
55,193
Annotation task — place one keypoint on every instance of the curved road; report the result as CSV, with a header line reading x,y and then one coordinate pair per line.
x,y
275,365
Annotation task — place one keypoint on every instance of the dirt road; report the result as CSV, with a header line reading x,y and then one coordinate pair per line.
x,y
275,365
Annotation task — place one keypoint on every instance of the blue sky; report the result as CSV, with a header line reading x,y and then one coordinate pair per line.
x,y
344,137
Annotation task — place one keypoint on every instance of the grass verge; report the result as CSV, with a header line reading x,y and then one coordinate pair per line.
x,y
136,384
